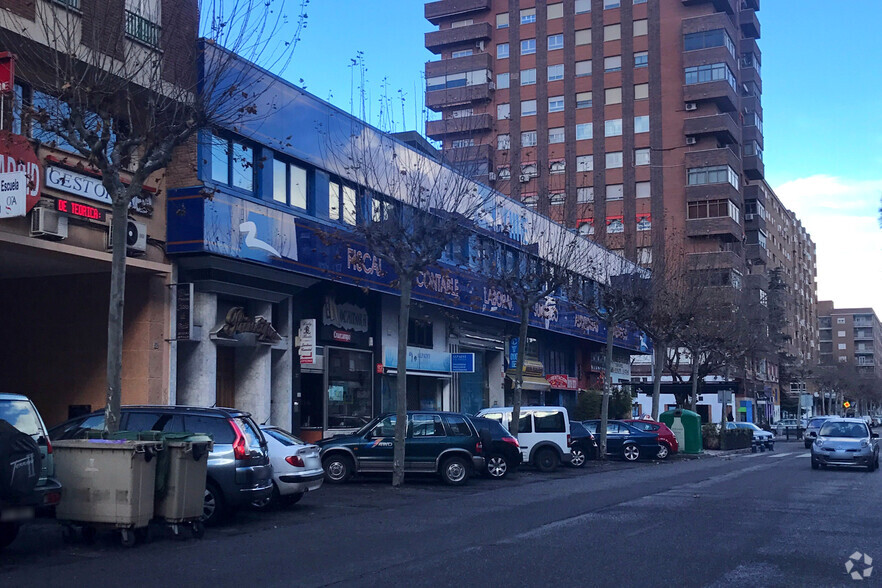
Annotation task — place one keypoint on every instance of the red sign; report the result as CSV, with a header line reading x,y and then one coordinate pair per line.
x,y
7,72
562,381
16,155
343,336
79,210
379,368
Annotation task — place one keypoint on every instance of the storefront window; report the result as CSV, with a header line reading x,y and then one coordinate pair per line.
x,y
349,388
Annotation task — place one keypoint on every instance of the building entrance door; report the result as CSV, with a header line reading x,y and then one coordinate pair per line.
x,y
226,377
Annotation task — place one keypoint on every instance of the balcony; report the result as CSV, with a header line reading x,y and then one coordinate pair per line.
x,y
724,227
727,6
749,23
754,222
754,168
435,12
750,74
142,29
718,91
469,125
709,157
863,335
721,126
438,99
443,67
756,254
468,157
752,104
714,260
752,4
752,133
755,192
438,41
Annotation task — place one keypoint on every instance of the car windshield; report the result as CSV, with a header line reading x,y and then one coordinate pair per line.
x,y
817,422
846,430
283,437
21,415
747,426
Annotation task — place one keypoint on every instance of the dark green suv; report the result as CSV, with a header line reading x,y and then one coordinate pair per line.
x,y
443,442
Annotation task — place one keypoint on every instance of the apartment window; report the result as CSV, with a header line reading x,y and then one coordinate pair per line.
x,y
460,143
840,333
586,226
583,37
752,149
531,201
557,199
709,73
840,320
840,345
641,157
612,128
614,159
232,163
528,15
528,77
142,20
641,124
639,1
584,131
462,23
557,167
555,42
419,333
342,198
583,6
289,184
718,174
462,112
530,170
503,142
706,39
463,53
615,225
585,163
613,95
555,72
641,59
641,91
583,68
644,223
556,135
614,192
713,209
644,254
843,359
583,100
502,51
611,4
612,32
528,139
556,104
528,46
613,63
643,190
504,173
503,111
641,27
554,11
502,21
585,194
528,107
502,81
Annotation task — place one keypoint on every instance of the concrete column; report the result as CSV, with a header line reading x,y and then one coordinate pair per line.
x,y
282,364
495,378
254,374
197,360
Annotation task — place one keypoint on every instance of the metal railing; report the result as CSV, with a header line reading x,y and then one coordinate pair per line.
x,y
75,4
141,29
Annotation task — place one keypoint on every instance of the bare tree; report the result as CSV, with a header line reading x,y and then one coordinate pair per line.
x,y
126,91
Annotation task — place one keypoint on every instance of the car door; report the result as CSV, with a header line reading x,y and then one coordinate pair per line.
x,y
426,440
374,451
615,437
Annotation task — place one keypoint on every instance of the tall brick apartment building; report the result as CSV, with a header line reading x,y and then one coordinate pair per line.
x,y
851,335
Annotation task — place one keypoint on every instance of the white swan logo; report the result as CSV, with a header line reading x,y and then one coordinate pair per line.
x,y
250,230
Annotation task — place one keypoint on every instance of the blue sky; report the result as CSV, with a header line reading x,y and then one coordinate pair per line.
x,y
822,111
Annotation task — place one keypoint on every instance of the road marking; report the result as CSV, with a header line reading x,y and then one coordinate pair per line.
x,y
781,454
804,455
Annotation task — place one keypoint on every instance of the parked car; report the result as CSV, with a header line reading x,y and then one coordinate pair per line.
x,y
26,466
667,441
297,467
762,439
543,433
446,443
239,470
811,430
502,452
626,441
846,442
583,446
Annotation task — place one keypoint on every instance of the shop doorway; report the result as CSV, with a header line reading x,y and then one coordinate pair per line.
x,y
424,393
474,390
226,377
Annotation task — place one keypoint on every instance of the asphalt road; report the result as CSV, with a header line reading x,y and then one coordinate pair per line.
x,y
762,519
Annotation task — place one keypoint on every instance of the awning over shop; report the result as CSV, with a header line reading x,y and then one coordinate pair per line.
x,y
531,383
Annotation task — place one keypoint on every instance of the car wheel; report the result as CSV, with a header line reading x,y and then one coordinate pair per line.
x,y
663,451
815,464
577,457
546,460
338,468
871,466
631,452
214,509
8,533
268,502
455,471
497,466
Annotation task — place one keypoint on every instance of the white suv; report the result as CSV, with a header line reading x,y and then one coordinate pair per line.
x,y
543,433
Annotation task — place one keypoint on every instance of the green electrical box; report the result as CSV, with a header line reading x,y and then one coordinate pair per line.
x,y
686,425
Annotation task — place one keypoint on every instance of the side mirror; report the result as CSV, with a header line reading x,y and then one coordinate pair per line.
x,y
813,434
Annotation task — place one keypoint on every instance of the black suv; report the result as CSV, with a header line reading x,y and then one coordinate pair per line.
x,y
502,452
443,442
239,471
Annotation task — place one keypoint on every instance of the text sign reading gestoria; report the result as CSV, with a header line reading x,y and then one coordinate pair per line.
x,y
13,192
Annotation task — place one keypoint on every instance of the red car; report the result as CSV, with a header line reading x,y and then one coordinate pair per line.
x,y
666,439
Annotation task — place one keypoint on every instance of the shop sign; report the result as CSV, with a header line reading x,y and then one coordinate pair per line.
x,y
13,192
380,368
16,155
307,341
237,321
346,316
183,312
342,336
562,381
533,368
91,188
513,352
7,72
423,360
462,363
80,210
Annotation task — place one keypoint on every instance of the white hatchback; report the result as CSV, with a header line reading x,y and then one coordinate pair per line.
x,y
297,467
543,433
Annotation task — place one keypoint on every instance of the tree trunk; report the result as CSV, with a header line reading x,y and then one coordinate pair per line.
x,y
607,387
406,286
659,351
693,379
517,394
115,315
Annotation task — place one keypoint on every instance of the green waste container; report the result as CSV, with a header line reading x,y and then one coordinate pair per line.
x,y
686,426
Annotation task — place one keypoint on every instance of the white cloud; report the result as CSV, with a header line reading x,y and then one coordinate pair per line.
x,y
842,217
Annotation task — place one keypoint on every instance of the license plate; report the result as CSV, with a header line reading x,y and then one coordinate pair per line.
x,y
17,514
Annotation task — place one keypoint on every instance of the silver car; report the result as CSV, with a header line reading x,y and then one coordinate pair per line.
x,y
846,442
811,431
297,467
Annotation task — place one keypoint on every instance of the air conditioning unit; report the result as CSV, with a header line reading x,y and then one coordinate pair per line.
x,y
136,237
524,178
491,176
691,106
48,223
691,140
